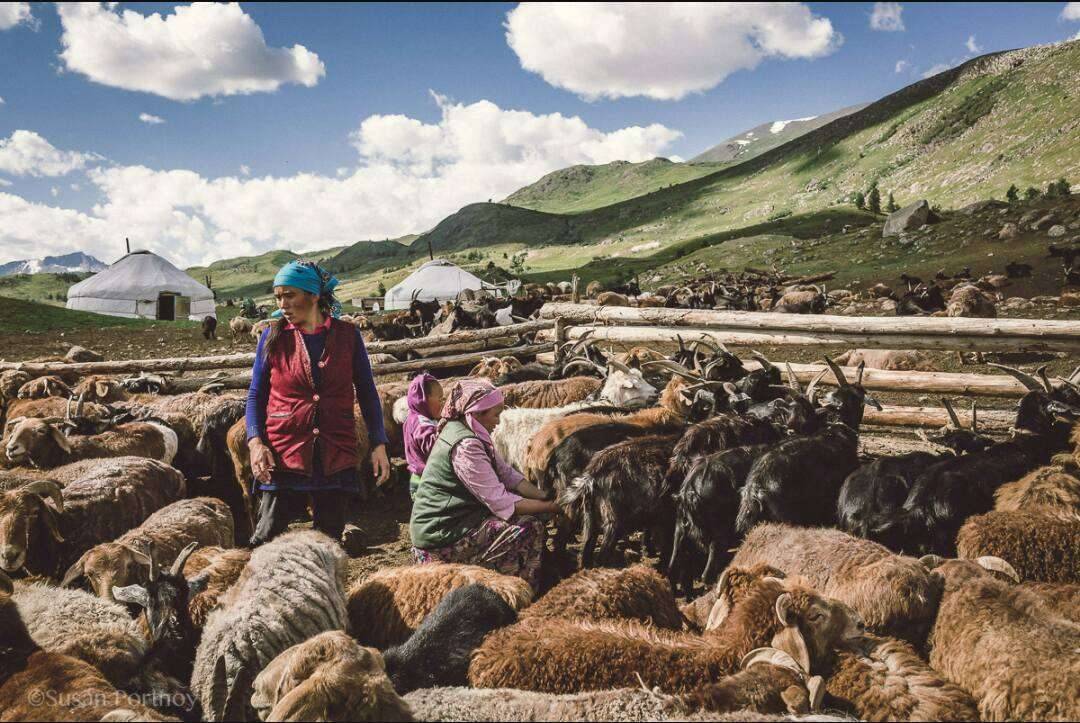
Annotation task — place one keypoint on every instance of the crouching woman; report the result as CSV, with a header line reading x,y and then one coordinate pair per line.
x,y
471,506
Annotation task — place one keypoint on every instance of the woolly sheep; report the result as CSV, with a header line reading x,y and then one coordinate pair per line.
x,y
108,500
205,520
894,594
291,589
327,677
46,386
221,568
1026,669
636,593
1041,547
44,445
388,607
545,394
1052,489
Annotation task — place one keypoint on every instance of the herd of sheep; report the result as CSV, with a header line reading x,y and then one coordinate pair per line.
x,y
941,585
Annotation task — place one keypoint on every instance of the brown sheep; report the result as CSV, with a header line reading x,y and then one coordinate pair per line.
x,y
969,301
772,680
239,326
1040,547
386,608
39,685
597,594
889,359
206,520
1024,669
1050,490
594,289
222,568
45,446
544,394
101,389
563,656
327,677
42,387
733,585
886,680
610,298
10,382
1062,598
894,594
108,500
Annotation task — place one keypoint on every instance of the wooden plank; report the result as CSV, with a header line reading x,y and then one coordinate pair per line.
x,y
936,417
456,359
976,385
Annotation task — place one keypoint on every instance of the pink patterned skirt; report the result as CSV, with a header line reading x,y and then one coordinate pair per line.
x,y
512,547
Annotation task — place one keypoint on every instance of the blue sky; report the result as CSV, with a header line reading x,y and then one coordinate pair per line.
x,y
104,173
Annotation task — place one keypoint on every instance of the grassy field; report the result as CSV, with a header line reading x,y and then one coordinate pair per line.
x,y
18,315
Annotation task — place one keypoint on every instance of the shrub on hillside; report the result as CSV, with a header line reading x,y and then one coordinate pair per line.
x,y
1013,194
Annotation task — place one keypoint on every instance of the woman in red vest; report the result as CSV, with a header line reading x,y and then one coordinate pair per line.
x,y
310,367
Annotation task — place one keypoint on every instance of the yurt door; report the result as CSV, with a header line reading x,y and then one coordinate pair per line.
x,y
166,307
183,307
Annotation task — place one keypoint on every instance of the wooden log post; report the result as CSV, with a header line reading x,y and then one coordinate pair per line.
x,y
576,290
936,417
879,332
442,362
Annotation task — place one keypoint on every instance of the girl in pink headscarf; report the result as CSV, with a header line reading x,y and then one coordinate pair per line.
x,y
425,401
471,506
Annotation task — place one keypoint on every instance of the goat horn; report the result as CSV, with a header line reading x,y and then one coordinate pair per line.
x,y
578,362
1041,371
682,346
674,368
1029,382
810,390
931,561
144,553
618,366
707,345
48,487
1074,376
178,564
996,564
953,418
860,370
79,404
841,380
793,381
582,341
765,363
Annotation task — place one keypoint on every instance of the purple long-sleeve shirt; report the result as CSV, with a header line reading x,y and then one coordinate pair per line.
x,y
487,475
366,395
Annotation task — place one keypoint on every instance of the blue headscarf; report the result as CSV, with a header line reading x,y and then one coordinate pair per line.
x,y
312,278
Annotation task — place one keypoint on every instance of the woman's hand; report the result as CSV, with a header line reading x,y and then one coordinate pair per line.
x,y
380,465
531,492
262,460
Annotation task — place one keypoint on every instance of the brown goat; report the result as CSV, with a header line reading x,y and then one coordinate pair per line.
x,y
206,520
327,677
1000,643
597,594
222,568
544,394
563,656
42,387
102,389
1040,547
610,298
386,608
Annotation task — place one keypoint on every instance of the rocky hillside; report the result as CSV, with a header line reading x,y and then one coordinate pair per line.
x,y
958,137
765,137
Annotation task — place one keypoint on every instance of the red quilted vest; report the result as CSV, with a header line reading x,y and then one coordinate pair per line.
x,y
298,414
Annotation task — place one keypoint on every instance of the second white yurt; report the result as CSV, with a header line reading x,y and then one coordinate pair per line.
x,y
143,285
437,279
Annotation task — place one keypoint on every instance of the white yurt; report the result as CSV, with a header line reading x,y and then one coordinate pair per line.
x,y
437,279
143,285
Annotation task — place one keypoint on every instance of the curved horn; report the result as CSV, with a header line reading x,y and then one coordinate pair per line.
x,y
618,366
583,340
79,404
860,370
810,390
1029,382
793,381
1075,376
178,564
682,346
674,368
996,564
841,380
953,419
577,362
47,488
144,553
1041,371
765,363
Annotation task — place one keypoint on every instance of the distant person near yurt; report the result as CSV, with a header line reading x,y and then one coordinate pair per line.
x,y
310,367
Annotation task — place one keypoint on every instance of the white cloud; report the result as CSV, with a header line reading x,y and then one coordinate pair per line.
x,y
972,46
902,65
54,191
1071,11
663,51
2,101
75,187
25,153
887,17
4,182
245,170
204,49
12,14
410,175
151,119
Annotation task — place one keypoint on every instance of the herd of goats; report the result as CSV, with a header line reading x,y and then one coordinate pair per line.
x,y
930,585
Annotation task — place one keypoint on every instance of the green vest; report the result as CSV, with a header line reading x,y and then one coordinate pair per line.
x,y
444,510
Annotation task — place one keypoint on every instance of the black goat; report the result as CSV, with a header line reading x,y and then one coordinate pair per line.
x,y
533,371
950,491
438,653
799,479
1067,254
620,492
911,281
921,300
1016,271
423,311
209,327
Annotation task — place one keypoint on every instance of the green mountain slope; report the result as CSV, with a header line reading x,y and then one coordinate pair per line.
x,y
249,275
955,138
581,188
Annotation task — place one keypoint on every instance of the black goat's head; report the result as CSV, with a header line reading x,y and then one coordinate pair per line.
x,y
954,436
1044,402
164,598
850,398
